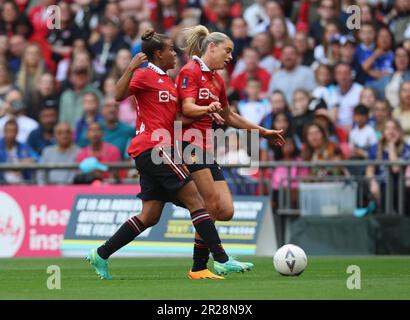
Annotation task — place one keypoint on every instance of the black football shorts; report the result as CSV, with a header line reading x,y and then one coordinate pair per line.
x,y
199,163
160,181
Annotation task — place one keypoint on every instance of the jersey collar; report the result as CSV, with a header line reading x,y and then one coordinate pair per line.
x,y
153,67
202,64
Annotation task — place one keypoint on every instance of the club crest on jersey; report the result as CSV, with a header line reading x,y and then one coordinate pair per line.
x,y
163,96
203,93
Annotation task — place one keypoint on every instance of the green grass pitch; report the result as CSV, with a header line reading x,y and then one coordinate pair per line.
x,y
166,278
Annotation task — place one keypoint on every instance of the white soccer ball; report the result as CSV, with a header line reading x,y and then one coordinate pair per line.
x,y
290,260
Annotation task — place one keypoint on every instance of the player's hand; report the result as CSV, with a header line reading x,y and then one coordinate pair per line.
x,y
275,136
217,118
138,60
214,107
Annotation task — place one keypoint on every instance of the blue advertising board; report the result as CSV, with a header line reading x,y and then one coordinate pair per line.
x,y
94,218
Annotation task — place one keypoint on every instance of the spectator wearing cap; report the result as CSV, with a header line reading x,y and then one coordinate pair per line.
x,y
43,135
347,55
64,151
252,70
106,48
71,102
47,95
12,151
91,172
292,76
105,152
15,109
116,132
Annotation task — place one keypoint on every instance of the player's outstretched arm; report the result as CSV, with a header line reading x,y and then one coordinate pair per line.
x,y
121,87
235,120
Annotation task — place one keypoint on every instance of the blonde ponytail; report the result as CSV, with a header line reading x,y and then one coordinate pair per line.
x,y
195,39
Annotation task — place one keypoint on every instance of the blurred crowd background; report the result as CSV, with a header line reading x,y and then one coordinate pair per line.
x,y
338,92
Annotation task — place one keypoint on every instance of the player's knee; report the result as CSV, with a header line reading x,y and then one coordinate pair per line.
x,y
152,221
212,204
148,219
226,213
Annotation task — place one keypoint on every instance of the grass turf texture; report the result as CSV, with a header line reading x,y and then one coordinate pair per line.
x,y
166,278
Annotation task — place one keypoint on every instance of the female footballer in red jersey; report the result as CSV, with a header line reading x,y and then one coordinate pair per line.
x,y
157,99
198,86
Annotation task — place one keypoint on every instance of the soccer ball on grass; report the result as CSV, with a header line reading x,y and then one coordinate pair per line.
x,y
290,260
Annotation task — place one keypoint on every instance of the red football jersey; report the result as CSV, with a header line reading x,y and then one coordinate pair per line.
x,y
156,95
196,80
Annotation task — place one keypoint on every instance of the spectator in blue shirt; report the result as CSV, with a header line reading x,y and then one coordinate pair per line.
x,y
12,151
381,62
43,136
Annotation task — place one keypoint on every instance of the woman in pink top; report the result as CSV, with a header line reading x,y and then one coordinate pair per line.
x,y
103,151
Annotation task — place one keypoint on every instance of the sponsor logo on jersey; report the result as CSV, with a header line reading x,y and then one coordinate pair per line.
x,y
163,96
203,93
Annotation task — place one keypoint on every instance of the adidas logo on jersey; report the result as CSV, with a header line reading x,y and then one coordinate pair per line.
x,y
203,78
160,81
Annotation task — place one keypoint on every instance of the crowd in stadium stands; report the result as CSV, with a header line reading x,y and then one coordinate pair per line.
x,y
338,92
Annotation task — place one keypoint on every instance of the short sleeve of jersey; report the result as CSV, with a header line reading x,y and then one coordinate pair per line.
x,y
188,86
137,82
